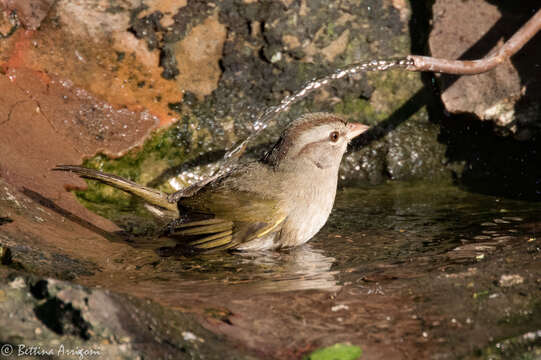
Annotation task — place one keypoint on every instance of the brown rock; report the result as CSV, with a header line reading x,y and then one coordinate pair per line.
x,y
470,30
198,55
29,12
91,47
49,122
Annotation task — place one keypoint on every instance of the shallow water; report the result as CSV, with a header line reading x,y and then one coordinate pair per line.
x,y
427,270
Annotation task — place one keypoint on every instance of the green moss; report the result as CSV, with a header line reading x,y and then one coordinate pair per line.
x,y
163,150
360,109
394,87
336,352
304,72
330,30
400,44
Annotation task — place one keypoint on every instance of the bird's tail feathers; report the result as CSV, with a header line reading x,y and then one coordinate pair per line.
x,y
154,197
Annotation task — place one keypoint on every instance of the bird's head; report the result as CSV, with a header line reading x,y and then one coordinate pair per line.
x,y
316,140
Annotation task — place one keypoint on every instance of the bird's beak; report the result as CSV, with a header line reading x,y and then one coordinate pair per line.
x,y
355,129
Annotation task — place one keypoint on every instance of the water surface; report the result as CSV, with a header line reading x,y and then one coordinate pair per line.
x,y
427,270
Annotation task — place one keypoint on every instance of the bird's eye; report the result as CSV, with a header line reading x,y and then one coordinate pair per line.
x,y
334,136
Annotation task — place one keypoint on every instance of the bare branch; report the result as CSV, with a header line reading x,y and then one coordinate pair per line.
x,y
471,67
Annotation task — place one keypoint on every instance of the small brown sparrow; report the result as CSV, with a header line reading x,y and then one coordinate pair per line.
x,y
280,201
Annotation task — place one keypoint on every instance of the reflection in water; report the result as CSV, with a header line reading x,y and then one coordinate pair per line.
x,y
302,268
220,277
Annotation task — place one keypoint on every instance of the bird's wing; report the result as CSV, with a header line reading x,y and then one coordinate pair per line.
x,y
221,218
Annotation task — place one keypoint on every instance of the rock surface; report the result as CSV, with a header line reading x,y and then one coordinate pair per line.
x,y
65,321
507,95
48,122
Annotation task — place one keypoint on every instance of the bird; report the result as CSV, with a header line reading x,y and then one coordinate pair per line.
x,y
279,201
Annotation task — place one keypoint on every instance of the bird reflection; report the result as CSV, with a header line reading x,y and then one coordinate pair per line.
x,y
302,268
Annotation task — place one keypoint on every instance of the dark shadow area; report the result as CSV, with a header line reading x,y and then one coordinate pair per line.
x,y
5,220
49,204
62,318
154,241
528,107
528,64
492,163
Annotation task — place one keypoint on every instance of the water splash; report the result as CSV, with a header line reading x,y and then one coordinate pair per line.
x,y
263,119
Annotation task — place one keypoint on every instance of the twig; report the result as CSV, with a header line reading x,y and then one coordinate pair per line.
x,y
471,67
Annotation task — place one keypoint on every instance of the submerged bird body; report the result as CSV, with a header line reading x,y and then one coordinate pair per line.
x,y
281,201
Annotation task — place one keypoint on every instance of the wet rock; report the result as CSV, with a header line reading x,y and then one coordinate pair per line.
x,y
30,13
506,95
46,316
47,122
409,152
